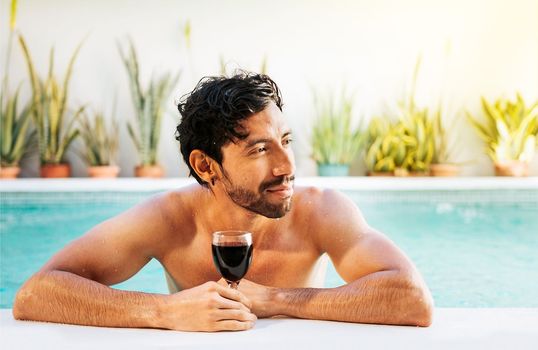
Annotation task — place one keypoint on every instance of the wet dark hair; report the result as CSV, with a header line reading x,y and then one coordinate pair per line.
x,y
211,114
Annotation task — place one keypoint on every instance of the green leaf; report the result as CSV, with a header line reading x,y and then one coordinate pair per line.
x,y
334,139
49,108
13,15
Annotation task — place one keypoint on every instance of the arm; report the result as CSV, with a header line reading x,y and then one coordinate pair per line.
x,y
382,286
73,286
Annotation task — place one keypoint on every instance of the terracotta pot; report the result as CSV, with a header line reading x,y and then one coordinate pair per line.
x,y
55,170
9,172
512,168
401,172
149,171
376,173
104,171
446,170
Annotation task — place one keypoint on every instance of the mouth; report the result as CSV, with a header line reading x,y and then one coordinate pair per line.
x,y
282,191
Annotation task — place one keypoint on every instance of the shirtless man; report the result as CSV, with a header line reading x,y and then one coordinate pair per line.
x,y
236,143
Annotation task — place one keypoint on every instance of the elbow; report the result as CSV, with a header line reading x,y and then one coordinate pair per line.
x,y
416,303
424,317
20,305
422,307
24,301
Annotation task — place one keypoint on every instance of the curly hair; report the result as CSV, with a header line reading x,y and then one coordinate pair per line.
x,y
211,114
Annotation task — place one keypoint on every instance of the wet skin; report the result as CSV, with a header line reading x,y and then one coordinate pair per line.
x,y
292,227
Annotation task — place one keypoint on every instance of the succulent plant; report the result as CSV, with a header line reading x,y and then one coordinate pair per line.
x,y
16,138
148,105
54,123
510,130
101,143
334,139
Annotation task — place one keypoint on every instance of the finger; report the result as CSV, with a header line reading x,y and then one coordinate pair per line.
x,y
234,294
231,325
233,314
223,303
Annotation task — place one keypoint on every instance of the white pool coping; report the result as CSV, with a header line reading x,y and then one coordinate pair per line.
x,y
451,329
360,183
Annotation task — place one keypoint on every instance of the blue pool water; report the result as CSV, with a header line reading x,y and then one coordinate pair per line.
x,y
474,248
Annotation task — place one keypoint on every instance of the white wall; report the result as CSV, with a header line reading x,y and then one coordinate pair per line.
x,y
371,46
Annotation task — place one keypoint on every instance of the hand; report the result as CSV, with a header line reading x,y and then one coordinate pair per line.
x,y
209,307
262,297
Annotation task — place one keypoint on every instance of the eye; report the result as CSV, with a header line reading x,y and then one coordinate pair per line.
x,y
287,141
261,149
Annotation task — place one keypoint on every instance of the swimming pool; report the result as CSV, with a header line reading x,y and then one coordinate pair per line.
x,y
475,248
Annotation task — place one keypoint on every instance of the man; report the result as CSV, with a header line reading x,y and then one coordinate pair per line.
x,y
236,143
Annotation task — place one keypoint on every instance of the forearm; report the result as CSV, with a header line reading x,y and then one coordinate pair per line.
x,y
385,297
63,297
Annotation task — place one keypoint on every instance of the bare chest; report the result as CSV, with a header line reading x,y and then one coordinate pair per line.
x,y
280,261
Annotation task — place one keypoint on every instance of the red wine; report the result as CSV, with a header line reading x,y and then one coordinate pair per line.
x,y
232,259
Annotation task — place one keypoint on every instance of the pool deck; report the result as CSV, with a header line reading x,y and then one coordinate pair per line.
x,y
349,183
451,329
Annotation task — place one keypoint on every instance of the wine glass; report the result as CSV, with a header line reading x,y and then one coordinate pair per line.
x,y
232,254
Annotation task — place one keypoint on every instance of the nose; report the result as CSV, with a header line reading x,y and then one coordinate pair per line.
x,y
284,163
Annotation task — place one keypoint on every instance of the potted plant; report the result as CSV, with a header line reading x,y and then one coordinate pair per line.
x,y
335,142
417,128
510,133
383,150
101,146
149,109
54,123
401,148
442,163
404,147
16,139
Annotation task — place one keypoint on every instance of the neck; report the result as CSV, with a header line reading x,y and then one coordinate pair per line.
x,y
224,214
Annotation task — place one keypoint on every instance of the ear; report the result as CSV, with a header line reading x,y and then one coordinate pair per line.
x,y
205,166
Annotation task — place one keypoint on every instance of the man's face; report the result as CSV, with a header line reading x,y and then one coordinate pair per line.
x,y
259,170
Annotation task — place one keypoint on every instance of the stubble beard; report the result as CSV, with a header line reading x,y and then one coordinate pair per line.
x,y
256,202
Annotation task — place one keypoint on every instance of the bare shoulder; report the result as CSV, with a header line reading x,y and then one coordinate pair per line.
x,y
173,209
117,248
323,205
328,214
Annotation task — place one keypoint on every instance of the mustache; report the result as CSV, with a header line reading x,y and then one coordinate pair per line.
x,y
276,182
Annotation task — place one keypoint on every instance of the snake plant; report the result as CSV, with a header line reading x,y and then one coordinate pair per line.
x,y
16,139
148,105
406,144
55,125
510,130
418,125
101,143
335,140
442,154
384,151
